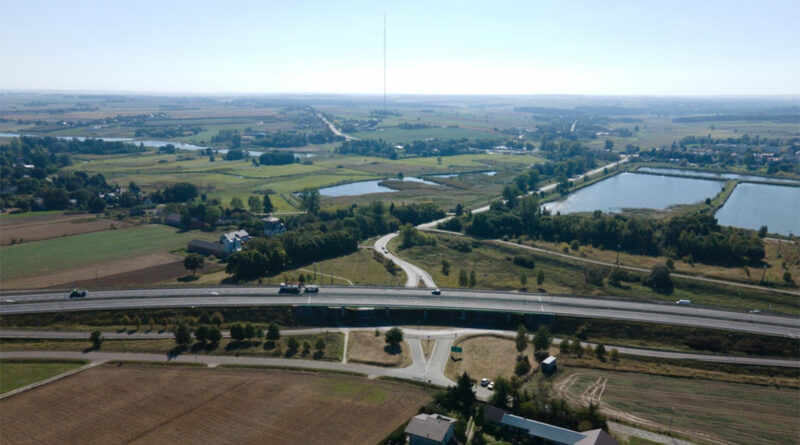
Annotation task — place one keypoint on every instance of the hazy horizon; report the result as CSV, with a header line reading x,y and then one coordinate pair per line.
x,y
517,48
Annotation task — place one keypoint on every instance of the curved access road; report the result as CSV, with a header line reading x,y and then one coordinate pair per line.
x,y
414,273
408,298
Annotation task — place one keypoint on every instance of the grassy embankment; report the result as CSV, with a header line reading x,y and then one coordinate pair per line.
x,y
494,269
333,346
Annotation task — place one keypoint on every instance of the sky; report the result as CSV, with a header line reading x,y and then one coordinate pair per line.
x,y
642,47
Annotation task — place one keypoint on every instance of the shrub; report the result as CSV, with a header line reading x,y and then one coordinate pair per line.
x,y
527,262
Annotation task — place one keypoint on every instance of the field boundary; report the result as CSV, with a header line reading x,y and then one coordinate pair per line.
x,y
51,379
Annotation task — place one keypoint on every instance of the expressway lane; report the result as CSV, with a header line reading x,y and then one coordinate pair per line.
x,y
414,273
403,298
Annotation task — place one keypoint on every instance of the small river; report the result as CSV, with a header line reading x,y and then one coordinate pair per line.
x,y
366,187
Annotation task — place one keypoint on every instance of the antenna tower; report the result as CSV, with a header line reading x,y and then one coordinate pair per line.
x,y
384,61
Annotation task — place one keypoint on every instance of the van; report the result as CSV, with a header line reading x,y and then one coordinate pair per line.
x,y
683,302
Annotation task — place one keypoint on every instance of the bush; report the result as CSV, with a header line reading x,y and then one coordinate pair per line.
x,y
523,366
527,262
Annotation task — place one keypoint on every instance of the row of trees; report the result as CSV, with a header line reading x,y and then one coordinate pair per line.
x,y
697,236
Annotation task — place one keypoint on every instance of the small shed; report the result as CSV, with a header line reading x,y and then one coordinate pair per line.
x,y
549,365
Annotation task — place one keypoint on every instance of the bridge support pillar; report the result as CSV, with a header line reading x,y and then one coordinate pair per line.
x,y
342,312
425,314
387,312
463,315
508,318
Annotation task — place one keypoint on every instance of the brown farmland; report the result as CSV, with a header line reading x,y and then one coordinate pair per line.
x,y
179,405
40,227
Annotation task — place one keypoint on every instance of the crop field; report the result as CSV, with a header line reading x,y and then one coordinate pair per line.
x,y
59,254
18,373
38,226
701,410
399,135
178,405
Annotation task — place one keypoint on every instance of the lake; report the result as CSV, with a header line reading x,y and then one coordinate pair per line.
x,y
713,175
637,191
366,187
453,175
753,205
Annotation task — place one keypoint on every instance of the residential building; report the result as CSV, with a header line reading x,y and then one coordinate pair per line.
x,y
549,365
430,429
273,226
234,241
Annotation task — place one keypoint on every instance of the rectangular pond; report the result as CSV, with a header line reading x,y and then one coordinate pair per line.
x,y
714,175
637,191
754,205
367,187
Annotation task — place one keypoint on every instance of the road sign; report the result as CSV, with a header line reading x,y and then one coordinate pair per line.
x,y
455,349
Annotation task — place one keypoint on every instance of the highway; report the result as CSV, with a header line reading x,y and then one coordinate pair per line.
x,y
414,273
408,298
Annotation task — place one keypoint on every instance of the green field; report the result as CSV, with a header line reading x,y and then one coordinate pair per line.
x,y
58,254
495,270
18,373
698,409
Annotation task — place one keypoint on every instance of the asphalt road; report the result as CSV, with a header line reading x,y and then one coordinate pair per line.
x,y
414,273
381,297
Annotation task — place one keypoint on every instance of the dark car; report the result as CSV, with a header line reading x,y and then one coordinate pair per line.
x,y
436,292
311,289
77,293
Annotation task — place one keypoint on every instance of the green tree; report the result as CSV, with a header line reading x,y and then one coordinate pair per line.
x,y
762,231
237,331
273,332
236,203
293,344
577,348
137,322
466,396
462,278
306,347
319,345
540,277
614,355
473,280
787,278
201,333
393,337
213,214
659,278
600,351
151,323
565,347
522,338
523,279
445,267
214,335
125,322
249,331
183,334
523,366
542,339
255,204
96,337
309,200
502,391
193,262
267,204
216,319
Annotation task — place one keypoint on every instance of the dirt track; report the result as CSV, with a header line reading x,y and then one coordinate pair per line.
x,y
166,405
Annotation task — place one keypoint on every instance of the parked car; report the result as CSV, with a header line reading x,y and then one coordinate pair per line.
x,y
490,386
312,289
484,381
77,293
436,292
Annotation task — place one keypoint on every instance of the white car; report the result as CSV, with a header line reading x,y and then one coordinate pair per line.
x,y
490,387
484,382
755,311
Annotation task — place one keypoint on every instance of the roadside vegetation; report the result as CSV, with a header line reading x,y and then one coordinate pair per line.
x,y
16,373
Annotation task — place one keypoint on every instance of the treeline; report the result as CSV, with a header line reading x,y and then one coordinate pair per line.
x,y
696,237
168,131
283,139
449,147
276,158
782,118
325,234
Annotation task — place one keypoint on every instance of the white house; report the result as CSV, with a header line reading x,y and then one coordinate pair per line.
x,y
273,226
234,241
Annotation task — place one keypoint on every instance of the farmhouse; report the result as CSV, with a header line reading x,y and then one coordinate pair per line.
x,y
273,226
550,434
234,241
430,429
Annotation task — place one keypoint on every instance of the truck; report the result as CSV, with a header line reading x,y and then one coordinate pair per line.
x,y
76,293
289,289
